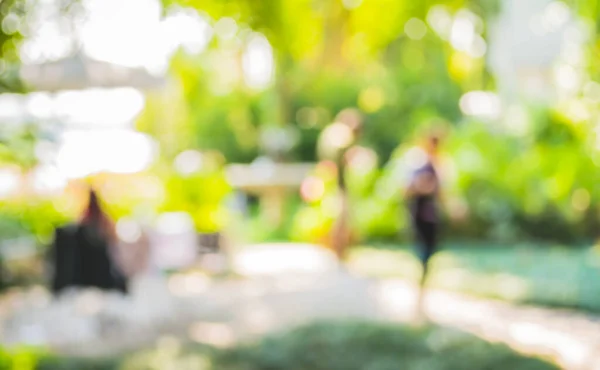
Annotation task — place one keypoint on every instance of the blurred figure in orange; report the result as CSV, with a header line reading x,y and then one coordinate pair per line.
x,y
83,253
423,194
335,144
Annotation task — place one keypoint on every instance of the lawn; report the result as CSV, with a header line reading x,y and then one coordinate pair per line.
x,y
324,346
552,276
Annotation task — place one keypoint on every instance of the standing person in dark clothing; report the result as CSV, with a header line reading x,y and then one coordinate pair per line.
x,y
336,142
82,254
423,199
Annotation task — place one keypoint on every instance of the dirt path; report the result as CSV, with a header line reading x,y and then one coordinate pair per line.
x,y
285,285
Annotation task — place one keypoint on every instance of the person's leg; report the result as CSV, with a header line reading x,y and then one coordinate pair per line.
x,y
425,264
341,231
426,232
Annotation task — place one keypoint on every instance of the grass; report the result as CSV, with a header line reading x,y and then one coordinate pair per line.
x,y
362,345
551,276
327,346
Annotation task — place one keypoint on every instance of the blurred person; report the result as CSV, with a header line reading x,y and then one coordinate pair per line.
x,y
423,195
83,253
336,144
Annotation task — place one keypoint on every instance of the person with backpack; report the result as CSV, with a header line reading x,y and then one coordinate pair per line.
x,y
82,254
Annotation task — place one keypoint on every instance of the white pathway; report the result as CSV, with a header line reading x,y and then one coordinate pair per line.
x,y
284,285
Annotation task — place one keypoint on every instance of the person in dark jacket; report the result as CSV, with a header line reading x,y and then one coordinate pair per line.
x,y
423,199
82,253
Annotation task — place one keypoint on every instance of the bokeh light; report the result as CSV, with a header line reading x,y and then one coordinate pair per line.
x,y
9,182
83,153
189,162
258,62
371,99
312,189
481,104
415,29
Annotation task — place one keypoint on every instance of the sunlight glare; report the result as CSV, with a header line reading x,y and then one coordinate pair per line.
x,y
107,107
556,15
40,105
440,19
279,258
130,33
9,182
83,153
567,78
48,43
481,104
257,62
463,33
186,28
48,180
11,107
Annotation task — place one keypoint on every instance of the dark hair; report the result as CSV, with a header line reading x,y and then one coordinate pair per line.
x,y
94,209
95,215
434,140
